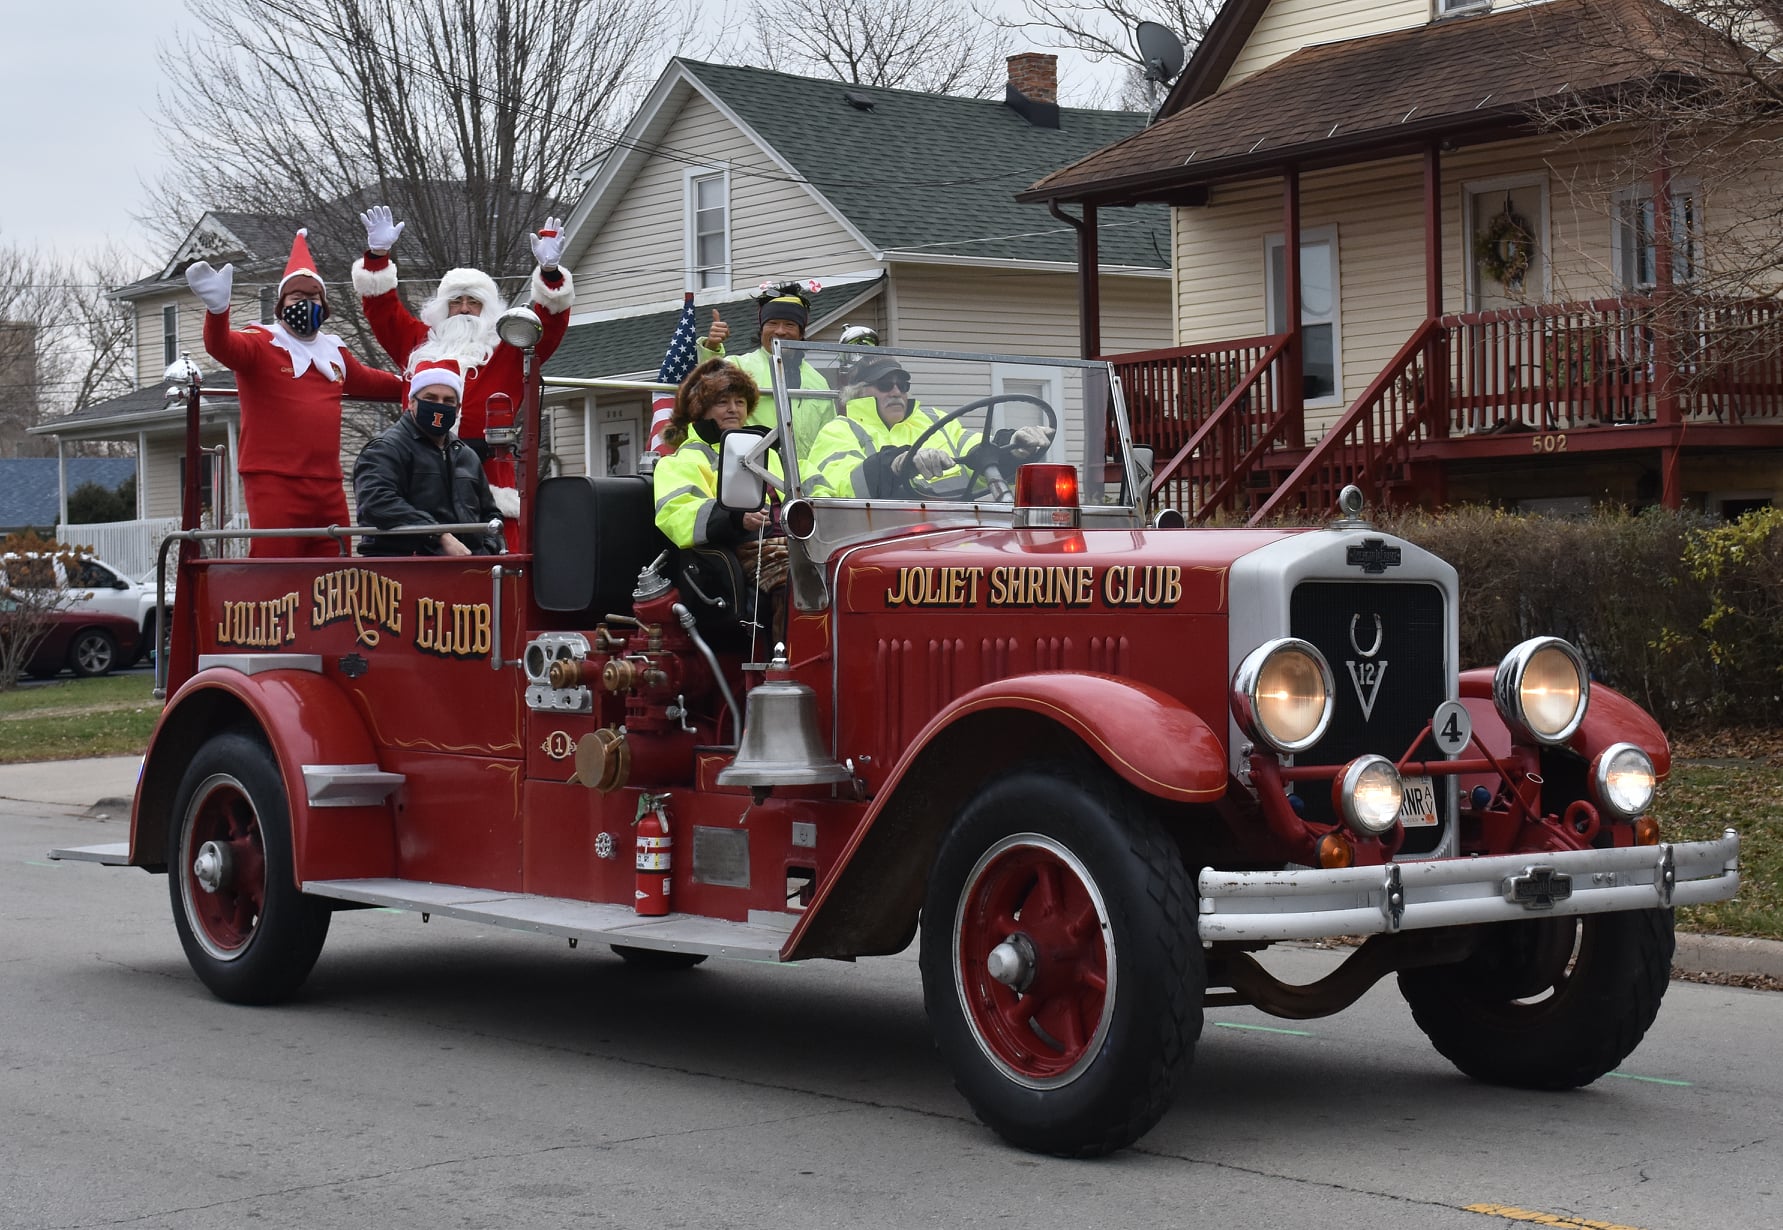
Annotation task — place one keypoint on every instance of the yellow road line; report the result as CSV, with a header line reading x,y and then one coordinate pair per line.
x,y
1545,1219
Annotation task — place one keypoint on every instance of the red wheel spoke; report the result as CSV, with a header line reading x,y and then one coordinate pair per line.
x,y
1047,898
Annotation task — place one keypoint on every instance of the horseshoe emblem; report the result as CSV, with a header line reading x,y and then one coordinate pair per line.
x,y
1355,644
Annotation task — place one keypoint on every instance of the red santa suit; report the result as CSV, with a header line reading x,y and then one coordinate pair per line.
x,y
290,389
497,369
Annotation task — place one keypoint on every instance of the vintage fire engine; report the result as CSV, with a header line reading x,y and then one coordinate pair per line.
x,y
1089,761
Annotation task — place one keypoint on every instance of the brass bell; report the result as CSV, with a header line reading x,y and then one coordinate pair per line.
x,y
780,744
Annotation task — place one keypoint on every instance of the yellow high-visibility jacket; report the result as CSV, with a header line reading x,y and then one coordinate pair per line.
x,y
838,457
686,487
809,414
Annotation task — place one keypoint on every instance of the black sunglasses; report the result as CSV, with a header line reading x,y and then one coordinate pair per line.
x,y
891,380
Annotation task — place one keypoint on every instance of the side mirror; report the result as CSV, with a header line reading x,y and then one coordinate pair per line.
x,y
119,583
1143,463
740,485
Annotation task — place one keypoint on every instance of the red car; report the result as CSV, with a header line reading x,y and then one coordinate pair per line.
x,y
85,642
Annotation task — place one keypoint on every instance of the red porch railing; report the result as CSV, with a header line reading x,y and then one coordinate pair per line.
x,y
1210,413
1569,365
1370,445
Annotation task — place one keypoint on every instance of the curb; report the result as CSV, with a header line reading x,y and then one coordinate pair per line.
x,y
1728,955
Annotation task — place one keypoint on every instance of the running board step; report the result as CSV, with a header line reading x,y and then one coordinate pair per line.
x,y
577,920
112,854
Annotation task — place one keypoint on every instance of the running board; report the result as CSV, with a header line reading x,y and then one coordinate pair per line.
x,y
113,854
576,920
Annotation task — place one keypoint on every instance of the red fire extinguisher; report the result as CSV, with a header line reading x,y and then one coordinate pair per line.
x,y
651,897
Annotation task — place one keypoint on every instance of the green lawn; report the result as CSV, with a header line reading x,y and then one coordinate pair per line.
x,y
112,715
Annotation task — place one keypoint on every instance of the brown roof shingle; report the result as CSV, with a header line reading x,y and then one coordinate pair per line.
x,y
1367,97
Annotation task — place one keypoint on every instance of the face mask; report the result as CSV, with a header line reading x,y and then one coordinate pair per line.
x,y
435,417
303,317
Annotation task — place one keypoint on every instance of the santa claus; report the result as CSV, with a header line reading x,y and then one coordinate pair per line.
x,y
458,323
290,378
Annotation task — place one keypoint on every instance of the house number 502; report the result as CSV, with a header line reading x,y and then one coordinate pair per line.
x,y
1549,442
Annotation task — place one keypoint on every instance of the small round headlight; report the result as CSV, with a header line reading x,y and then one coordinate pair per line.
x,y
1283,694
1541,689
1624,778
1368,793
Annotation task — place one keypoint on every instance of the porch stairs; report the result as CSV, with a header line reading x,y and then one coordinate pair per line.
x,y
1371,445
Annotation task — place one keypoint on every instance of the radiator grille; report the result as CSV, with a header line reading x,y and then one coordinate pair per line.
x,y
1386,644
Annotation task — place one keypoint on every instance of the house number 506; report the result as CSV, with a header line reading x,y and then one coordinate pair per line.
x,y
1554,442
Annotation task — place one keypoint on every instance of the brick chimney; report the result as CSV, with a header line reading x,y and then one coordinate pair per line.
x,y
1033,91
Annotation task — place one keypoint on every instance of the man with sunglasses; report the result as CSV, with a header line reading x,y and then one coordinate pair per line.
x,y
866,453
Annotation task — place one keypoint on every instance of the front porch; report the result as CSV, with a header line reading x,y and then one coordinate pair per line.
x,y
1561,382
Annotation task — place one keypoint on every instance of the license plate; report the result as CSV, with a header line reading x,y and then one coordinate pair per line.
x,y
1418,809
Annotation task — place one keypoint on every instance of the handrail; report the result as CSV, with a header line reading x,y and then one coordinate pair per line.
x,y
1221,411
337,532
1357,415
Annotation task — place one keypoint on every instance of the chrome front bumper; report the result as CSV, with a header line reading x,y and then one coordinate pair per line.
x,y
1313,903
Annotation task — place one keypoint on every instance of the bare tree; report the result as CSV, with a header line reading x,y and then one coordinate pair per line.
x,y
29,599
64,344
1103,31
463,115
937,46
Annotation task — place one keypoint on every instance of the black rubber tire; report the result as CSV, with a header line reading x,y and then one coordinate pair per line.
x,y
1552,1003
1124,1079
93,652
234,773
656,959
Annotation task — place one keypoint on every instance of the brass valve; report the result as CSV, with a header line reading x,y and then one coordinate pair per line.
x,y
568,673
619,675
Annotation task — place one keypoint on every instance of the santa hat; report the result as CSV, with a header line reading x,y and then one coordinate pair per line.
x,y
473,282
442,373
301,265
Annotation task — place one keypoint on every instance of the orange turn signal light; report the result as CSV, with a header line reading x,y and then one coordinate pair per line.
x,y
1646,831
1335,850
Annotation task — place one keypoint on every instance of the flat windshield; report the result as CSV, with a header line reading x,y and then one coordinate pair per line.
x,y
886,425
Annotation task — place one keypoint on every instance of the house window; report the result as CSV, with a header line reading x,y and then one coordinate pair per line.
x,y
170,334
1321,373
1635,253
708,230
1045,384
1453,8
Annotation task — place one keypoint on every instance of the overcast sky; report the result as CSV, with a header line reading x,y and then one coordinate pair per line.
x,y
77,141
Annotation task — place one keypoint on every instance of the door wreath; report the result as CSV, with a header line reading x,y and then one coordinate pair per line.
x,y
1505,248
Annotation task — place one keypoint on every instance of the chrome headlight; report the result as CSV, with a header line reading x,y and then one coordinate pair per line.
x,y
1623,778
1541,689
1368,793
1283,694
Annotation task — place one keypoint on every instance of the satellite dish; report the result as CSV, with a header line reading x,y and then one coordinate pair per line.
x,y
1161,50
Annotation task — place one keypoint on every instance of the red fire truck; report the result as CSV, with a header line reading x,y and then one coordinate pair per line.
x,y
1089,761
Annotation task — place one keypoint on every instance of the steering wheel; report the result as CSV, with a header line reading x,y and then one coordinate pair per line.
x,y
985,464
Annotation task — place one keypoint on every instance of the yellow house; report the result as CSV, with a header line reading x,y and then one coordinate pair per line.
x,y
1492,301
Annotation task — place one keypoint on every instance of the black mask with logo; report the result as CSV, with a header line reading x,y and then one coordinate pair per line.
x,y
435,417
303,317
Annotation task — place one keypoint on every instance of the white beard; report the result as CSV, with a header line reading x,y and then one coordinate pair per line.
x,y
468,340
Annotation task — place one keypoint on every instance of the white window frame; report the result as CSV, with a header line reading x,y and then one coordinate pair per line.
x,y
1312,234
690,180
1455,8
1053,378
1505,183
1622,199
170,334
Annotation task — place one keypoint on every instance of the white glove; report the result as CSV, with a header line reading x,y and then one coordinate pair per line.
x,y
211,285
1030,441
547,245
381,229
931,463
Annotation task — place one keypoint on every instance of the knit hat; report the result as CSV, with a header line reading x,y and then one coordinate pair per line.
x,y
784,307
441,373
301,265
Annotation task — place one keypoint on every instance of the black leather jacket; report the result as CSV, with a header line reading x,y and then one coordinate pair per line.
x,y
404,478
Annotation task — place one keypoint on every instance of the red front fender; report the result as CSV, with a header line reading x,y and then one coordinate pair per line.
x,y
304,719
1147,737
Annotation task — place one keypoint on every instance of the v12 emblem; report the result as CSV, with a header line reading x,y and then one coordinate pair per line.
x,y
1366,674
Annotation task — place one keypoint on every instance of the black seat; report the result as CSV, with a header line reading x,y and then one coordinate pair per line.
x,y
591,536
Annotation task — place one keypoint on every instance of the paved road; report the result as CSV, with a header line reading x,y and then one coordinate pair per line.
x,y
448,1076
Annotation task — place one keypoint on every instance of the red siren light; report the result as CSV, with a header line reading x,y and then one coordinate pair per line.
x,y
1046,495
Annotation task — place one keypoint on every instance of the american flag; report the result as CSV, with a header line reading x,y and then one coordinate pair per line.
x,y
676,363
